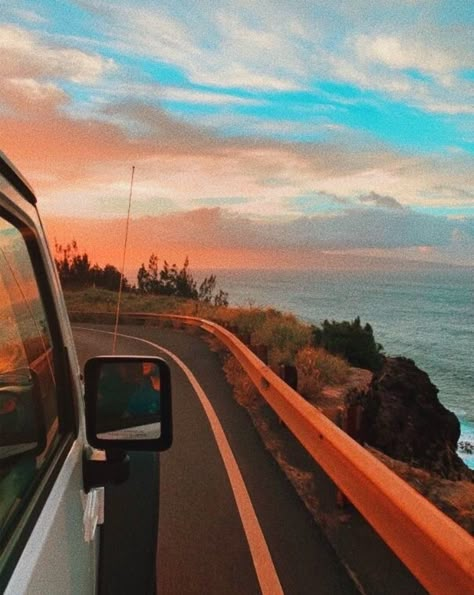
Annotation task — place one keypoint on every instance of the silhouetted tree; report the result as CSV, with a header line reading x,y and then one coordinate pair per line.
x,y
185,286
221,298
351,340
75,270
206,289
178,282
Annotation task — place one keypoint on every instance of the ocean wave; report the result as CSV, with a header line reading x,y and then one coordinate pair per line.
x,y
466,443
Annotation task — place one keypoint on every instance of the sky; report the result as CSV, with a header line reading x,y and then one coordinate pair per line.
x,y
263,134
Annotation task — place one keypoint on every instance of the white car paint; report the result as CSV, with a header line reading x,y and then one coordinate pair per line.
x,y
57,559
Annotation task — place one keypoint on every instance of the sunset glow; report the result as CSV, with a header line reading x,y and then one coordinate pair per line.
x,y
264,135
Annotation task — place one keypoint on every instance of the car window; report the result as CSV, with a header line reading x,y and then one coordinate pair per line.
x,y
29,429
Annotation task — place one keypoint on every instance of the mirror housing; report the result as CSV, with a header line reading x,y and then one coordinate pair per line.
x,y
128,403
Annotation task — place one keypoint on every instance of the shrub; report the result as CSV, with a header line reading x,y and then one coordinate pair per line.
x,y
244,390
316,368
352,341
309,384
250,320
284,336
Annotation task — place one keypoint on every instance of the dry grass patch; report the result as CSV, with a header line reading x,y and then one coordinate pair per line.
x,y
245,392
318,368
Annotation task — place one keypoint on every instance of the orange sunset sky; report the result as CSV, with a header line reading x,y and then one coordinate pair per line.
x,y
263,135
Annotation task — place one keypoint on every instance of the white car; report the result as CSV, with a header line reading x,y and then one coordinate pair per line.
x,y
53,464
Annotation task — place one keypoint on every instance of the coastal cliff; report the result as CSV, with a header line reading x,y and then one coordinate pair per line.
x,y
402,417
404,425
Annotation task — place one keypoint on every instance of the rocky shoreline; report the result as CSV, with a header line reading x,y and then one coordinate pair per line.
x,y
402,417
401,421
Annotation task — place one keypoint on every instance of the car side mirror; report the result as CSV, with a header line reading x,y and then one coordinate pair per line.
x,y
128,403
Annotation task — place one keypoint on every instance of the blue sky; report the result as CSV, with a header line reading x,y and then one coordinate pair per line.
x,y
277,113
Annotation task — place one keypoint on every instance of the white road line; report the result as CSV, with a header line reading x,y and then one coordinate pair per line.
x,y
262,560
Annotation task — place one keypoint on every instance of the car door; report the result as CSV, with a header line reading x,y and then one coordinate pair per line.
x,y
44,545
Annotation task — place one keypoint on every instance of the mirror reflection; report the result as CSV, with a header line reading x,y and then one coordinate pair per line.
x,y
20,417
128,405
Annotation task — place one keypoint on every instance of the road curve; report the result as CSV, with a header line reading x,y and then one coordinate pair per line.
x,y
204,542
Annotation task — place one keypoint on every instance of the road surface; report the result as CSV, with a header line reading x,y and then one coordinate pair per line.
x,y
230,522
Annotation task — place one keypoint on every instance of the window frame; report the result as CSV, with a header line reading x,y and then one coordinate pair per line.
x,y
24,519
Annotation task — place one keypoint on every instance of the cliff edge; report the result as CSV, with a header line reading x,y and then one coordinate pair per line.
x,y
402,417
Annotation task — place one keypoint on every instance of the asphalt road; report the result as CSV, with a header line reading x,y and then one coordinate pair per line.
x,y
204,546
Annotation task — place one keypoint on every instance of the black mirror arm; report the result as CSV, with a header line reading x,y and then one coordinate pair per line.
x,y
112,470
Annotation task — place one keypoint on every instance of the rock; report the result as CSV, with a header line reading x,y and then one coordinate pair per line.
x,y
403,418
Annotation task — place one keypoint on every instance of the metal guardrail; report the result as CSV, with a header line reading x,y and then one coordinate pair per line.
x,y
432,546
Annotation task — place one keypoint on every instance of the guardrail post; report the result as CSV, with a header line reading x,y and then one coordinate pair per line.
x,y
353,419
244,337
341,422
261,351
349,420
289,374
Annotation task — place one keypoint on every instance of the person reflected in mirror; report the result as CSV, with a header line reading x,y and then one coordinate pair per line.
x,y
126,390
146,397
116,385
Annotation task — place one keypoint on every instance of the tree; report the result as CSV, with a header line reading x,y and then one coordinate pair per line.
x,y
109,278
178,282
221,299
168,279
73,267
142,277
352,341
75,270
185,286
206,289
148,278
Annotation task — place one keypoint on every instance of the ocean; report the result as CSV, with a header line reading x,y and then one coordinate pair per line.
x,y
426,315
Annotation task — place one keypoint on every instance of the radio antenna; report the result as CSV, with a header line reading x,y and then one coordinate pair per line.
x,y
117,313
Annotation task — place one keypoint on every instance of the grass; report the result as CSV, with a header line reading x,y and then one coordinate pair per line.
x,y
317,368
287,339
102,300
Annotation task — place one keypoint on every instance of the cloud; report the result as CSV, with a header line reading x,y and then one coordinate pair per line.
x,y
181,161
455,193
233,46
279,47
25,55
203,97
387,202
351,229
147,121
32,97
178,162
29,16
217,238
404,54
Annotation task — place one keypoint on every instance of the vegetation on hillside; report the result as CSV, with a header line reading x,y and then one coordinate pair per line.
x,y
287,339
77,272
318,368
351,340
178,282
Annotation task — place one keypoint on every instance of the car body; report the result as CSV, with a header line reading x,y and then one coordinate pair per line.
x,y
51,478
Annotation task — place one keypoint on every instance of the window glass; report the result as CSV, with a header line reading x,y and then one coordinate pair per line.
x,y
28,403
